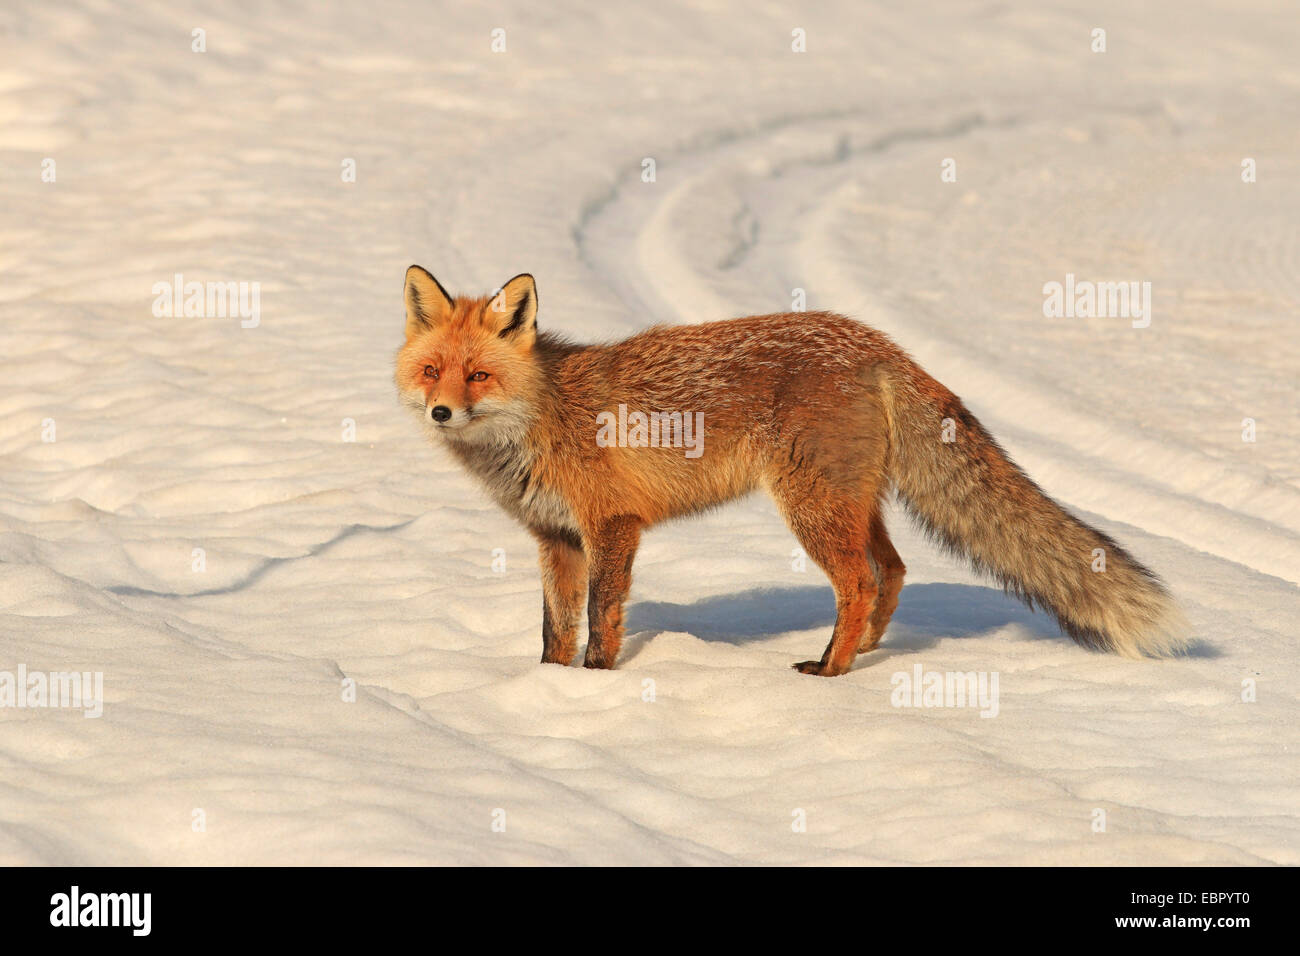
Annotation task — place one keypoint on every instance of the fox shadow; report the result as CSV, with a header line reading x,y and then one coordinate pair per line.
x,y
926,614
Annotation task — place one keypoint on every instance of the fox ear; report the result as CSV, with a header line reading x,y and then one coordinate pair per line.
x,y
427,303
512,313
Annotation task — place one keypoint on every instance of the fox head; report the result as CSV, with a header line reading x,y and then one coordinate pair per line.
x,y
467,366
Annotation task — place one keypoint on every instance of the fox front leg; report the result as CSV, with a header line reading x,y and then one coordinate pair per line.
x,y
564,585
612,550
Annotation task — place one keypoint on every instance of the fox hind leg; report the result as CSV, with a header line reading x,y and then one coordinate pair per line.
x,y
889,572
834,535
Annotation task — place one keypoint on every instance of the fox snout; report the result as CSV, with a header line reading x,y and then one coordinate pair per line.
x,y
448,403
451,416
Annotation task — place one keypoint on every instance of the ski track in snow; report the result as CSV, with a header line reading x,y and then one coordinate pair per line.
x,y
372,560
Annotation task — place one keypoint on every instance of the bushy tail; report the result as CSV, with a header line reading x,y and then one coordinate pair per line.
x,y
970,496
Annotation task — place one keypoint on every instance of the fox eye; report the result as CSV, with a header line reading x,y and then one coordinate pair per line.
x,y
479,377
431,372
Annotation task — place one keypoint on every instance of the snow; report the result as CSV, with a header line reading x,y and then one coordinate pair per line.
x,y
372,560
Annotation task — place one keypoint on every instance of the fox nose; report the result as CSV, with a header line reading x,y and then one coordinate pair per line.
x,y
440,413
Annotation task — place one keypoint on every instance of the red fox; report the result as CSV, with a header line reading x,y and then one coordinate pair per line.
x,y
822,412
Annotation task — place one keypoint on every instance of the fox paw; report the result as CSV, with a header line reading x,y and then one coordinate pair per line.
x,y
815,668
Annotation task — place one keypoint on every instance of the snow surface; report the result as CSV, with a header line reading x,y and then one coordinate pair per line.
x,y
373,559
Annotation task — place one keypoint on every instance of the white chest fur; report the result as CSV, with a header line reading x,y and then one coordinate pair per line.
x,y
507,471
